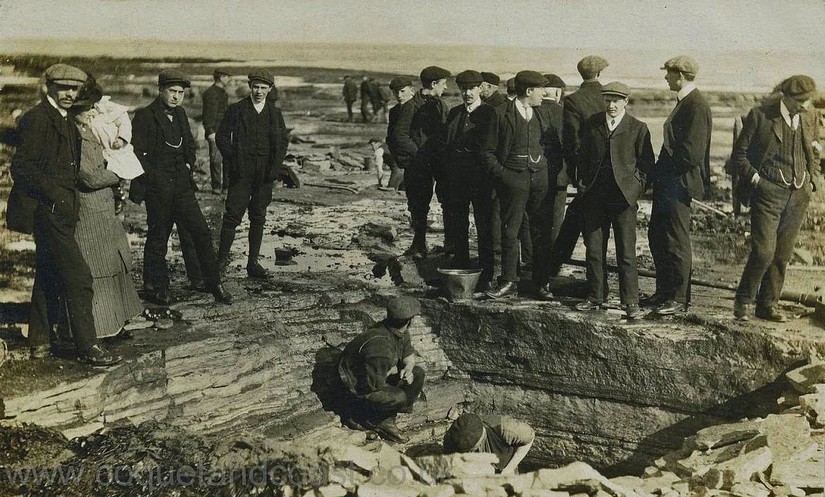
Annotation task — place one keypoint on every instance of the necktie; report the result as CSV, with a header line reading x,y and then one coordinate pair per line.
x,y
612,123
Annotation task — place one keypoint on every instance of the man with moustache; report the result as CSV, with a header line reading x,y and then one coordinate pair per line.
x,y
467,181
253,140
215,100
164,144
680,175
518,135
775,154
616,154
425,170
489,90
44,202
578,107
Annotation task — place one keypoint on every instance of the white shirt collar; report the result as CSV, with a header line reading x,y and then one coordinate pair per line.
x,y
525,110
616,120
475,105
689,87
258,107
54,104
786,115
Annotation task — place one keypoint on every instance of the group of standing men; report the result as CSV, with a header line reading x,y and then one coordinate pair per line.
x,y
513,157
375,98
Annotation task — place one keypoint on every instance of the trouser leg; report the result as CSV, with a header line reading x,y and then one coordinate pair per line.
x,y
624,228
215,165
261,198
190,256
482,213
237,201
513,191
568,236
188,215
160,214
596,233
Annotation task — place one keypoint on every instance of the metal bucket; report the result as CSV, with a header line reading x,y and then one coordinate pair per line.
x,y
459,284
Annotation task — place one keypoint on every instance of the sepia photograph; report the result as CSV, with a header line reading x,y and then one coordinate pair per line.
x,y
533,248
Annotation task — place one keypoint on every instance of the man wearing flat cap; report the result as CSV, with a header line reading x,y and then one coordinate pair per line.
x,y
467,180
164,144
507,438
775,154
379,373
426,170
518,136
616,155
681,173
578,107
44,202
489,89
253,140
399,138
215,101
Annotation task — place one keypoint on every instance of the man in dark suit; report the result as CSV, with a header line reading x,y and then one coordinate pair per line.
x,y
578,107
399,138
489,90
467,180
518,135
350,94
44,202
775,155
425,170
215,100
164,144
616,154
253,140
680,174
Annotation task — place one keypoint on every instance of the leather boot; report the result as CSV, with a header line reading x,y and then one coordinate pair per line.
x,y
227,238
253,268
418,248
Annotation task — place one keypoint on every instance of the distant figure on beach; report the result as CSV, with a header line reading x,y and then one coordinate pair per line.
x,y
350,94
253,140
43,202
381,154
215,101
366,99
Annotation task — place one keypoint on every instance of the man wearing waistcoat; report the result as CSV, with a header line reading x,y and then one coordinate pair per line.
x,y
44,202
467,180
164,144
775,150
680,174
253,140
518,135
616,154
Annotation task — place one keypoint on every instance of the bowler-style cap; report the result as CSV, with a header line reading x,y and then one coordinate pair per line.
x,y
261,75
468,78
434,73
399,83
617,89
530,79
591,65
490,77
171,77
403,308
800,87
64,74
682,63
554,81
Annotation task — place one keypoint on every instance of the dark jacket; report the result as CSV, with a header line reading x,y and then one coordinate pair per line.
x,y
350,90
399,135
368,358
578,107
148,140
232,135
500,137
555,151
215,101
42,167
688,161
496,99
427,128
631,153
762,135
473,136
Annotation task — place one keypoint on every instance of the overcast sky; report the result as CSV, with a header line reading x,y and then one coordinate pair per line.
x,y
686,25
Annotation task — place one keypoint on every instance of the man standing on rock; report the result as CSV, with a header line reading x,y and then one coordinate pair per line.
x,y
44,202
425,171
164,144
350,94
378,370
776,151
399,138
215,100
253,140
680,175
507,438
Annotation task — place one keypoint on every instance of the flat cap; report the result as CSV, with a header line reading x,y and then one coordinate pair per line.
x,y
799,87
682,63
468,78
530,79
591,65
403,308
170,77
511,84
220,72
464,434
399,83
64,74
434,73
616,88
261,75
490,77
554,81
